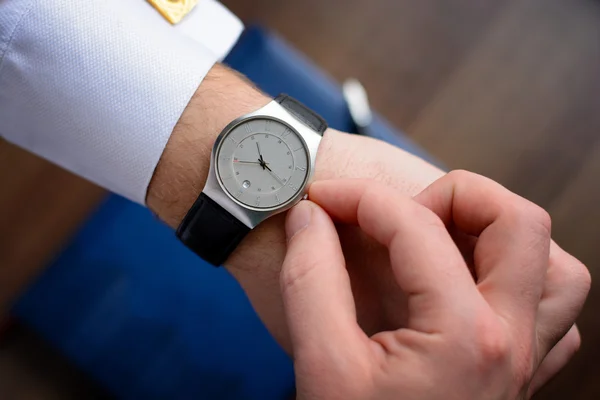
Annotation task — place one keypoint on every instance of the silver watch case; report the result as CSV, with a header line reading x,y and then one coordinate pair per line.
x,y
249,216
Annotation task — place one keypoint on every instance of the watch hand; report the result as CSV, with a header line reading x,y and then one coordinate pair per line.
x,y
260,157
249,162
276,176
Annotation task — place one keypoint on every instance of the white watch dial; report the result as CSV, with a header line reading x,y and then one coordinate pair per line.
x,y
262,163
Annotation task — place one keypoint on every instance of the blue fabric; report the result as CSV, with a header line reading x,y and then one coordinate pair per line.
x,y
149,320
143,315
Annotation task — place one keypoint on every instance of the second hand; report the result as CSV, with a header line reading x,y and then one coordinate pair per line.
x,y
248,162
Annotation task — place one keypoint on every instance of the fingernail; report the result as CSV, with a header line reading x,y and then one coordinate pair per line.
x,y
298,219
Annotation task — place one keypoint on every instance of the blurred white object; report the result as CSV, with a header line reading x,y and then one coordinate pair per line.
x,y
358,104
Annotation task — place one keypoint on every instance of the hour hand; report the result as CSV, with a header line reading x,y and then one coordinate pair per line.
x,y
260,157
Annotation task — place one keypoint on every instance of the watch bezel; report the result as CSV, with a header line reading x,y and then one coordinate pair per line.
x,y
223,136
251,216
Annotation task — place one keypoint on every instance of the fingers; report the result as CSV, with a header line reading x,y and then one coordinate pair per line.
x,y
314,283
427,265
567,285
558,357
520,271
512,251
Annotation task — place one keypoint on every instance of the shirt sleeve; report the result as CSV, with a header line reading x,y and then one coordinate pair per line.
x,y
97,86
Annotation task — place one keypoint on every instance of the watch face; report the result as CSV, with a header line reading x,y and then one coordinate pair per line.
x,y
262,163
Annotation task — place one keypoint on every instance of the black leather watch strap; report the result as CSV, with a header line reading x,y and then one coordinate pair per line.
x,y
210,231
302,113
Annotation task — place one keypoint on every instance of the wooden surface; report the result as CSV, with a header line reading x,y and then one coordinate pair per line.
x,y
509,89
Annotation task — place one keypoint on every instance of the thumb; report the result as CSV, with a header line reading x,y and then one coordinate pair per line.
x,y
314,282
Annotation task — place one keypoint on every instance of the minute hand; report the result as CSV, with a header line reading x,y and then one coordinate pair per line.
x,y
275,175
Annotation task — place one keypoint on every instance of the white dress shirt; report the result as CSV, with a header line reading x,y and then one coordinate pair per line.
x,y
96,86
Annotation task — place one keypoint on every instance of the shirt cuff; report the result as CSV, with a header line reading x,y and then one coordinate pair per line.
x,y
211,24
98,86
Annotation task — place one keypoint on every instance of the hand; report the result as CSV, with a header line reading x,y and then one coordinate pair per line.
x,y
567,280
464,338
181,174
380,303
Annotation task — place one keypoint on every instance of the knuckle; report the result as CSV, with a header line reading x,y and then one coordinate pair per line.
x,y
572,273
494,348
532,216
492,343
573,342
581,276
542,217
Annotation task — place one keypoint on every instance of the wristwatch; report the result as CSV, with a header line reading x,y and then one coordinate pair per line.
x,y
261,165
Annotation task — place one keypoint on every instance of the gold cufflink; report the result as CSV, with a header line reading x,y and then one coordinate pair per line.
x,y
174,10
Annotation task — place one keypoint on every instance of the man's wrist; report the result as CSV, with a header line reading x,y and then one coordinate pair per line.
x,y
182,171
183,167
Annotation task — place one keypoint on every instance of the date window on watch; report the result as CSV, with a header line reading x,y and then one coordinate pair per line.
x,y
174,10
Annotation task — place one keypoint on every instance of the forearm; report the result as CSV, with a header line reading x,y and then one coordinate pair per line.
x,y
183,168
